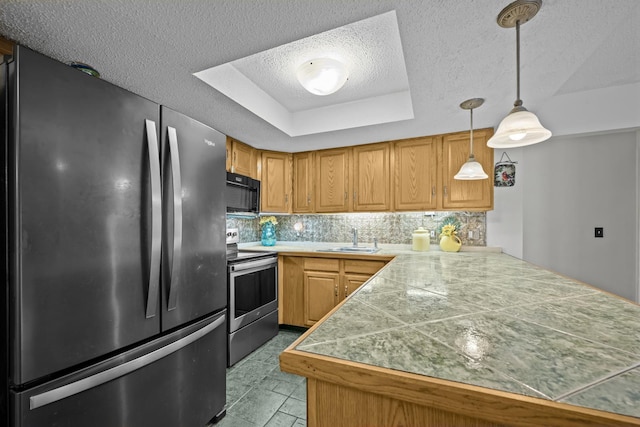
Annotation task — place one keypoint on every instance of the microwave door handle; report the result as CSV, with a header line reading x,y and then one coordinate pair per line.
x,y
156,218
176,263
237,184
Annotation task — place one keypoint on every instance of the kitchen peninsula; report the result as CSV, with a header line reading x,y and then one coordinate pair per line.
x,y
471,338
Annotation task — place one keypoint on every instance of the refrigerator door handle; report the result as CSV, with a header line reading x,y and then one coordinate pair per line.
x,y
177,219
156,220
93,381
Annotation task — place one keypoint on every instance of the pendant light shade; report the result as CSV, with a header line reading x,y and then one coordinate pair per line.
x,y
471,169
322,76
520,127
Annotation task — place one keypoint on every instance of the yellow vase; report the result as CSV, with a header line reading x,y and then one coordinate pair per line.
x,y
450,243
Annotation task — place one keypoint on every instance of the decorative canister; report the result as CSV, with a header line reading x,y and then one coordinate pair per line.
x,y
268,237
450,243
421,240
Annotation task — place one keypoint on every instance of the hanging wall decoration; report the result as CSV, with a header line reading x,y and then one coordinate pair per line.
x,y
505,172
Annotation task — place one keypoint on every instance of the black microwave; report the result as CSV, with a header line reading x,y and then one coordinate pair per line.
x,y
242,193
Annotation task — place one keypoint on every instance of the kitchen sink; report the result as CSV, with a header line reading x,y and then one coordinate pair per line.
x,y
351,249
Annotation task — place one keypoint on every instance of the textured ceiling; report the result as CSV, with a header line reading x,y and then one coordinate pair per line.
x,y
377,90
579,60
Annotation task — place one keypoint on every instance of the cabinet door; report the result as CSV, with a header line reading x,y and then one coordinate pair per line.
x,y
321,294
291,290
415,174
356,272
332,173
303,183
371,177
275,186
243,159
228,156
351,282
462,194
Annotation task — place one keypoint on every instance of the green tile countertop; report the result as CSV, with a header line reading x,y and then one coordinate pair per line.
x,y
491,320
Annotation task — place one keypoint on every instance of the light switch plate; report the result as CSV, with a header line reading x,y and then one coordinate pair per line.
x,y
599,232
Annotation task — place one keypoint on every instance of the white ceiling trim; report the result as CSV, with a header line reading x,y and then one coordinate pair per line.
x,y
377,91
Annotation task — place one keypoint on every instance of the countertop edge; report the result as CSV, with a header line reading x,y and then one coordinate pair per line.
x,y
469,400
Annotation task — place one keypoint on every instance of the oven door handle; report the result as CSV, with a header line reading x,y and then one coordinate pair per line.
x,y
253,264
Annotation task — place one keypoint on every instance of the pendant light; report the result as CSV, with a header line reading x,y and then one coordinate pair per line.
x,y
471,169
520,127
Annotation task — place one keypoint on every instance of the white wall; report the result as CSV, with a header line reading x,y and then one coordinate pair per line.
x,y
564,188
504,222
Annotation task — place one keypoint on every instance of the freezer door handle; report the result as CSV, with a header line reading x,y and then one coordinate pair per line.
x,y
177,219
156,218
85,384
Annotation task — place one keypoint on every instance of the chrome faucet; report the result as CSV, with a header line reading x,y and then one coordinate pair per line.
x,y
355,237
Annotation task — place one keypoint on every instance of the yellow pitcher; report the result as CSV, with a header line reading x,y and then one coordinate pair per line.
x,y
450,243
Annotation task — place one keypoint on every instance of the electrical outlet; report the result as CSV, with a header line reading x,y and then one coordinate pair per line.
x,y
433,233
470,234
599,232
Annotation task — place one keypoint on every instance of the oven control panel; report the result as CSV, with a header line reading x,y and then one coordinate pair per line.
x,y
232,236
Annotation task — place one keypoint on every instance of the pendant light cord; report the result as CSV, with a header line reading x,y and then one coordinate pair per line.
x,y
471,145
518,102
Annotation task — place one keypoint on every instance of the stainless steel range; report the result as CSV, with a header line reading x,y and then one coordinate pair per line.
x,y
252,277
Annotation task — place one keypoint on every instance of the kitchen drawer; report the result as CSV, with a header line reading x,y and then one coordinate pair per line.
x,y
322,264
359,266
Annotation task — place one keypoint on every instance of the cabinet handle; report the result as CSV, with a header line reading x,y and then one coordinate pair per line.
x,y
345,195
445,191
235,156
433,191
355,195
346,291
286,199
308,199
336,289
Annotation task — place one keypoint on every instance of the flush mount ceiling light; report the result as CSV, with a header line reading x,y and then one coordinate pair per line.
x,y
322,76
471,169
520,127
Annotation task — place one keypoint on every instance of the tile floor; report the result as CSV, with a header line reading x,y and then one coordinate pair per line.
x,y
260,395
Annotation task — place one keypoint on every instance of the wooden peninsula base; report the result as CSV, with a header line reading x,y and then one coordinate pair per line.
x,y
344,393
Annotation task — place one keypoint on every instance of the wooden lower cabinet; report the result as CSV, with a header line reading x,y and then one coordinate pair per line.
x,y
346,393
310,287
320,295
369,409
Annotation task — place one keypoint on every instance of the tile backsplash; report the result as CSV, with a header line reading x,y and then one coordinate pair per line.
x,y
386,227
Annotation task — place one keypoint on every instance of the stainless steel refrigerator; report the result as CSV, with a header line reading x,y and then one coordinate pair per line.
x,y
114,246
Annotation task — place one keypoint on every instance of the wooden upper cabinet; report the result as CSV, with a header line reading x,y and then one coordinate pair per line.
x,y
303,197
229,148
407,175
466,194
332,180
6,46
241,158
275,182
415,177
371,177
